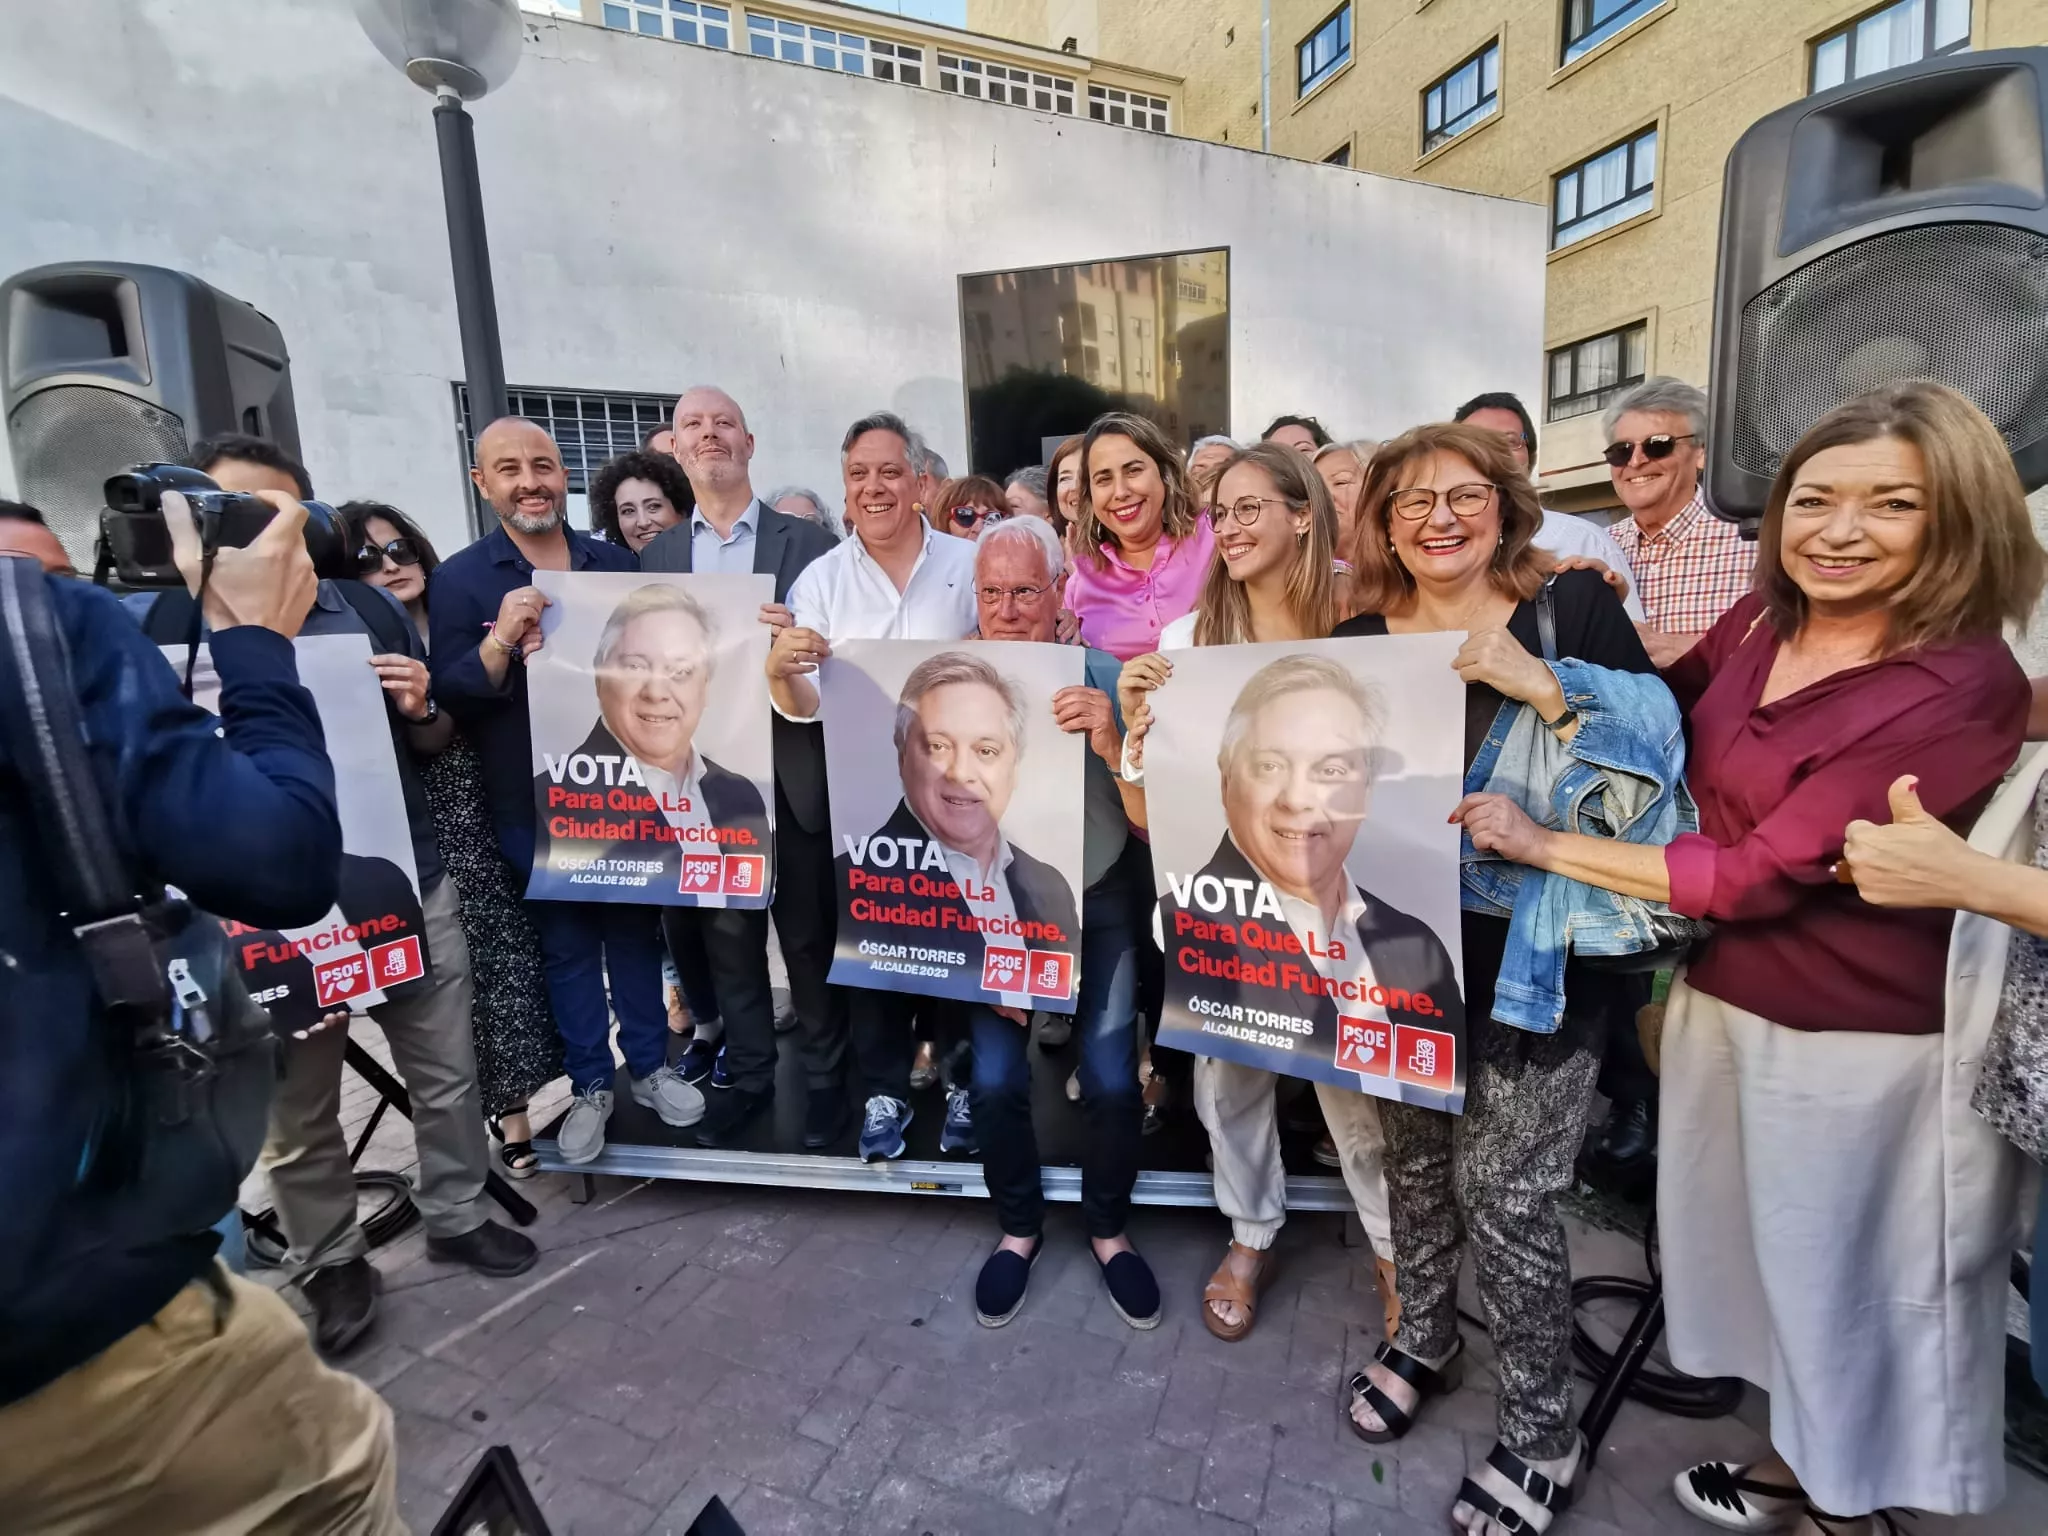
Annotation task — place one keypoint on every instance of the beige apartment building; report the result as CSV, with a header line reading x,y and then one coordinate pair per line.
x,y
1617,115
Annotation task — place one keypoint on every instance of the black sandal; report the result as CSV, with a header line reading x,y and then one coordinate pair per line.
x,y
1883,1517
519,1158
1553,1497
1427,1383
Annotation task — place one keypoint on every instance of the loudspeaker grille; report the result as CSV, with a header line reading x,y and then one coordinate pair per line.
x,y
66,441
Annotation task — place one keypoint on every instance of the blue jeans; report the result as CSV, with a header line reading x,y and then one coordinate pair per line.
x,y
1105,1024
582,946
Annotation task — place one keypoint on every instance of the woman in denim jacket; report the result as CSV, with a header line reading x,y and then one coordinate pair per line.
x,y
1836,1223
1446,524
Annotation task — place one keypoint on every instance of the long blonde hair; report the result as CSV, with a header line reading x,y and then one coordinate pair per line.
x,y
1223,613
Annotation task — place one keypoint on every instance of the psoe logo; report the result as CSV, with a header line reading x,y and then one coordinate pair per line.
x,y
700,875
745,874
1426,1057
1002,970
1365,1045
1052,973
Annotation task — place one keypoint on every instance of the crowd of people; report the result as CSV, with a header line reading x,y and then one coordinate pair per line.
x,y
1848,705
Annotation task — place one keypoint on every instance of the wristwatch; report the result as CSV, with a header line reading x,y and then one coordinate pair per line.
x,y
433,712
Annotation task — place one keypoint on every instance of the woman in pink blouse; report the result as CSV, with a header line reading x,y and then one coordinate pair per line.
x,y
1139,550
1817,1239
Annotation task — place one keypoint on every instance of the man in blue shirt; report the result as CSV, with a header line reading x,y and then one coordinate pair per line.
x,y
485,623
105,1317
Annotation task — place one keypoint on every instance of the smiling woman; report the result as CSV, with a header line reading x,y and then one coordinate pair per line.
x,y
1139,549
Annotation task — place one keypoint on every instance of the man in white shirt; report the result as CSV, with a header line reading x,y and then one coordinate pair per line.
x,y
895,578
1563,534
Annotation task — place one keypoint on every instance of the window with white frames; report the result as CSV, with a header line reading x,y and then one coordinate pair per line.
x,y
901,62
687,21
986,81
1589,23
1589,375
1462,99
1903,33
1600,192
1126,109
1323,52
772,37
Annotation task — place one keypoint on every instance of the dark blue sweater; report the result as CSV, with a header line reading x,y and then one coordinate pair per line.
x,y
242,819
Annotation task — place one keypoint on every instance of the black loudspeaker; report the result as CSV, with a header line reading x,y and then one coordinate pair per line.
x,y
1892,228
104,364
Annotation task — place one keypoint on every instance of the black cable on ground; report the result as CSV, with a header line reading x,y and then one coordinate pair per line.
x,y
393,1216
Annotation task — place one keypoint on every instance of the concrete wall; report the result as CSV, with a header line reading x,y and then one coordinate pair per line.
x,y
661,215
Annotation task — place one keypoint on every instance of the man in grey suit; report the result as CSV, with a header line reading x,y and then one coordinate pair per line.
x,y
731,530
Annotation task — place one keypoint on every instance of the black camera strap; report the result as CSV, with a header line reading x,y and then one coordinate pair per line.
x,y
40,714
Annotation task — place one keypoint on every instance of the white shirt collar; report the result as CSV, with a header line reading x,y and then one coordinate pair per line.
x,y
750,520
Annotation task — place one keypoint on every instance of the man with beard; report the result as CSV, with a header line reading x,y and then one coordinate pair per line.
x,y
486,622
732,531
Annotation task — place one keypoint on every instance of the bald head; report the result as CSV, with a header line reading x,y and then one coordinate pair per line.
x,y
519,470
713,444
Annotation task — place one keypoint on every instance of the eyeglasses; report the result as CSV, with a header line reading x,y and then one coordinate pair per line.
x,y
1244,511
973,517
401,551
1418,502
994,596
1657,446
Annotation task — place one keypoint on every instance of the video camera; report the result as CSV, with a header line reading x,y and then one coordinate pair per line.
x,y
137,543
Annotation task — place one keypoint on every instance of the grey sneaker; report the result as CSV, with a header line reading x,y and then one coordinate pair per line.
x,y
581,1137
664,1091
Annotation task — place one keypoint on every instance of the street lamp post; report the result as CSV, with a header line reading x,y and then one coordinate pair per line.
x,y
459,50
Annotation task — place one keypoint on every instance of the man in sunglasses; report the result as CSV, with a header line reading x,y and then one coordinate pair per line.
x,y
1690,565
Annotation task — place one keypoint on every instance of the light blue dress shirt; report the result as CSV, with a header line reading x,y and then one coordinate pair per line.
x,y
713,555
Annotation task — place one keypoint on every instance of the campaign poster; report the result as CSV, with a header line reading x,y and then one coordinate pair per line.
x,y
653,770
957,809
374,940
1298,797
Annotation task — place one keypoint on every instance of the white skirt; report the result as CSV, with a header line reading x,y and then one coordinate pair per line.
x,y
1806,1232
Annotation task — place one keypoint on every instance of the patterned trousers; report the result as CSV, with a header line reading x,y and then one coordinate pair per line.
x,y
1492,1177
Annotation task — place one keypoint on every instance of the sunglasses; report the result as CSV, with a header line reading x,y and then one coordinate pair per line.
x,y
1659,446
401,551
972,517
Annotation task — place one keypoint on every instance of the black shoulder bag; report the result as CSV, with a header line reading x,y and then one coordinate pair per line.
x,y
188,1055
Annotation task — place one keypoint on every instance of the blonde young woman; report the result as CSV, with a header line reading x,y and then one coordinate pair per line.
x,y
1272,579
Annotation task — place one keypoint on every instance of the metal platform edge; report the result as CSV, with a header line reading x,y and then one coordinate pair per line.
x,y
792,1170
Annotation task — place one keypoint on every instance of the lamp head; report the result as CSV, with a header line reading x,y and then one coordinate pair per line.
x,y
468,47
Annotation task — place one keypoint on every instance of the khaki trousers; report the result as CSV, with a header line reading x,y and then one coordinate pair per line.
x,y
215,1418
306,1154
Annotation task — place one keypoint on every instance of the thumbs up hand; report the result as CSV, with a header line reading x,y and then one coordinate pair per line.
x,y
1914,862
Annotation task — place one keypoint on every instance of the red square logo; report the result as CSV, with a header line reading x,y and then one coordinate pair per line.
x,y
1426,1057
339,980
391,964
1051,973
701,874
1002,970
746,874
1365,1045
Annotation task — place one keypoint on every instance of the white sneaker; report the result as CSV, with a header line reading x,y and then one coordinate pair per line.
x,y
664,1091
581,1137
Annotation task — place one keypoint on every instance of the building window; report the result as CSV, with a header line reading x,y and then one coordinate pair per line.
x,y
1899,34
985,81
770,37
1341,155
1589,23
588,426
1468,95
687,21
1599,193
1323,52
1589,375
901,62
1126,109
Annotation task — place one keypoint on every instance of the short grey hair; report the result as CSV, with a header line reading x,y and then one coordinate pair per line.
x,y
642,601
883,421
1213,440
1666,396
950,668
1035,531
1299,674
924,458
1033,478
783,492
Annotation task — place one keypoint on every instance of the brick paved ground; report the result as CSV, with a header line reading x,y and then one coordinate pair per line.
x,y
814,1360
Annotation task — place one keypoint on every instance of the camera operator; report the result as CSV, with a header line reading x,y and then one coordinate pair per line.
x,y
142,1387
426,1024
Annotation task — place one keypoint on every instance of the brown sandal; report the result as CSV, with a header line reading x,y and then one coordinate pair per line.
x,y
1239,1290
1390,1295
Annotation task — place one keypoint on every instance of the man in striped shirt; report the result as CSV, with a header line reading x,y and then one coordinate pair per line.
x,y
1690,566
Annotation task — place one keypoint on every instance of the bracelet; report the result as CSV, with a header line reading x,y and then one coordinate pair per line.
x,y
1562,722
509,647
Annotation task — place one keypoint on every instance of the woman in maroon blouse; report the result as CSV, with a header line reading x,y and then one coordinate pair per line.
x,y
1812,1242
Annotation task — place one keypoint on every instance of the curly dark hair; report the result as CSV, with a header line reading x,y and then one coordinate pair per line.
x,y
638,464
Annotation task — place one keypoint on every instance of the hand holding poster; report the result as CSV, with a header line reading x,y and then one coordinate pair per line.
x,y
374,938
1298,797
653,769
942,760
